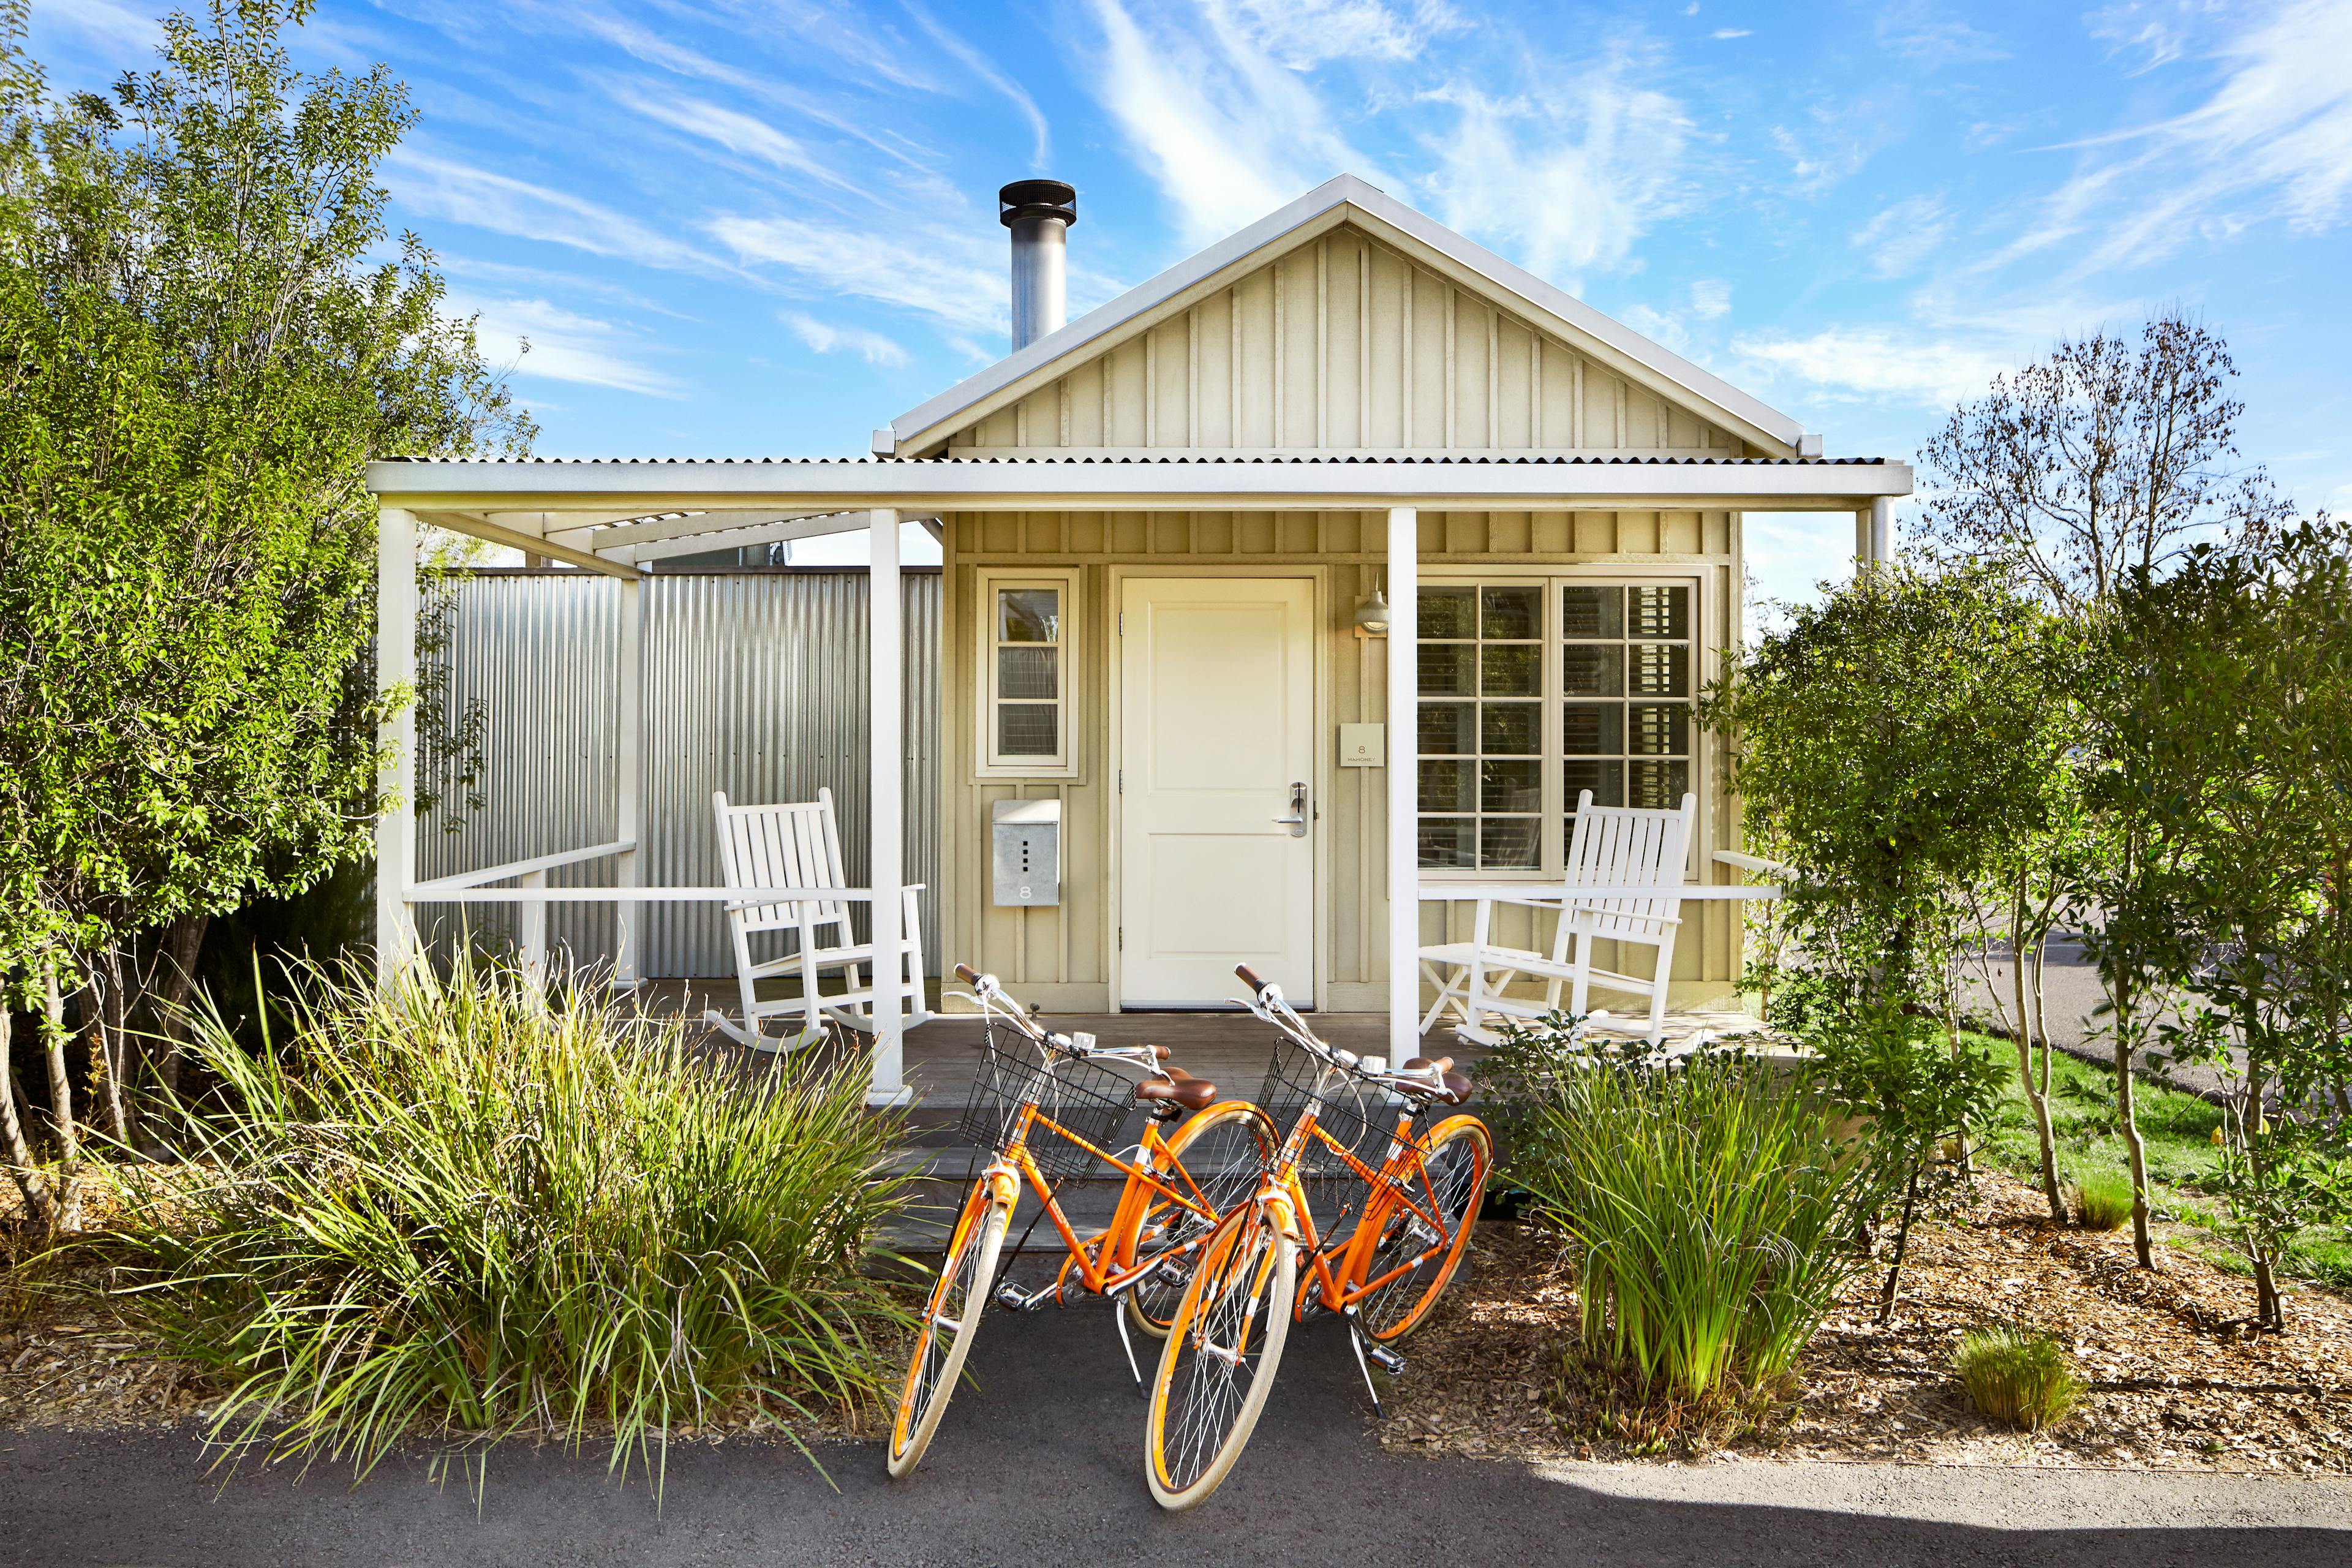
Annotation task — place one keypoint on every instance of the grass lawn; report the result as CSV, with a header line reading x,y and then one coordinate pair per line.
x,y
2179,1131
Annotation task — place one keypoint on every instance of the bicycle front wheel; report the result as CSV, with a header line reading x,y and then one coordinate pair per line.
x,y
1446,1187
950,1322
1224,1151
1218,1366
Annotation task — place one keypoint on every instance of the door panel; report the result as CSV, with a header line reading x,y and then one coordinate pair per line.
x,y
1217,724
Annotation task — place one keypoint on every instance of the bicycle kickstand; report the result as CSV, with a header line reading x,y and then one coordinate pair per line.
x,y
1118,1314
1356,1344
1370,1355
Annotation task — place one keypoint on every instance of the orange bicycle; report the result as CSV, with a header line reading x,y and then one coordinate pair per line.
x,y
1177,1185
1382,1274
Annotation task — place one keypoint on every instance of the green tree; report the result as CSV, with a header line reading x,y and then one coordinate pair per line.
x,y
1889,744
2105,464
199,348
2231,740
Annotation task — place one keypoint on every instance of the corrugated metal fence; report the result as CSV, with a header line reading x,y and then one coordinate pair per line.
x,y
755,684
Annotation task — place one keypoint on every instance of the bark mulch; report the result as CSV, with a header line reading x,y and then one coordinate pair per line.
x,y
2176,1378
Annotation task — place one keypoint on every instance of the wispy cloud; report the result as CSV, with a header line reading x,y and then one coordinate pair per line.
x,y
1849,363
950,272
824,338
2273,140
980,65
1710,298
1898,239
1931,34
444,187
1227,131
1302,34
1726,34
742,135
1569,175
563,346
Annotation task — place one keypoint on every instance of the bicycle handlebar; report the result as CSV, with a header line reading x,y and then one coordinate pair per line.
x,y
967,973
1249,978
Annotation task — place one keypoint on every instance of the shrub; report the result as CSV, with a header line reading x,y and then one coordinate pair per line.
x,y
1715,1207
2016,1376
457,1206
2103,1200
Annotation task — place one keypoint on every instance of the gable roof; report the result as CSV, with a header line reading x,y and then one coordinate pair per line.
x,y
1341,200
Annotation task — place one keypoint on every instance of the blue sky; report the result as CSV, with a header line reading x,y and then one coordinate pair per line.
x,y
731,228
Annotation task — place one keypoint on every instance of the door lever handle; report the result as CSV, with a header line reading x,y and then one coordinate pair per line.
x,y
1296,820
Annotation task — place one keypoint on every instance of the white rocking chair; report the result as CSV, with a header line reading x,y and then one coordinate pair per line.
x,y
1612,846
799,846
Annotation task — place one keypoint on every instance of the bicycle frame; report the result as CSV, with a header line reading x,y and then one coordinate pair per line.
x,y
1107,1262
1387,1189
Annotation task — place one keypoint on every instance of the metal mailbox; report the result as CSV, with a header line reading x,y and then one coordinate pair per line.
x,y
1028,851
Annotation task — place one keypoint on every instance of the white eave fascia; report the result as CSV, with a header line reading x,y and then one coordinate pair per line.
x,y
512,491
1329,201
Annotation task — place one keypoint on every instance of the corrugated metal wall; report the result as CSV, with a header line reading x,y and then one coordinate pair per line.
x,y
755,684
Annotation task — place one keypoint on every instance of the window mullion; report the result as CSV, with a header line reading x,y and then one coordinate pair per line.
x,y
1554,849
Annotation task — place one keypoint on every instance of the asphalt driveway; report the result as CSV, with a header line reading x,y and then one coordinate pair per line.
x,y
1040,1464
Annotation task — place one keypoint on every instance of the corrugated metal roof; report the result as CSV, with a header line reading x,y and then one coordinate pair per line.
x,y
1302,460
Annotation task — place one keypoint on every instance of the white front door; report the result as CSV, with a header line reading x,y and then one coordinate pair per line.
x,y
1216,747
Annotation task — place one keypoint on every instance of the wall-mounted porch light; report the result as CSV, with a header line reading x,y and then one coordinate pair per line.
x,y
1372,615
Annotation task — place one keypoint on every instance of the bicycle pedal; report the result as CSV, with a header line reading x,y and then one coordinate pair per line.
x,y
1012,1297
1387,1360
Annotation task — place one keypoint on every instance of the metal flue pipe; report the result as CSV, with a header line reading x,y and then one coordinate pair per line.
x,y
1039,213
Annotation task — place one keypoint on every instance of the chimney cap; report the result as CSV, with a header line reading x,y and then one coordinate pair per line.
x,y
1037,198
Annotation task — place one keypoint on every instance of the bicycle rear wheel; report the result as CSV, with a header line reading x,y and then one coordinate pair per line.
x,y
950,1322
1454,1157
1218,1366
1224,1150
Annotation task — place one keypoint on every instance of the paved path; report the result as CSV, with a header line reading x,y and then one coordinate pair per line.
x,y
1040,1466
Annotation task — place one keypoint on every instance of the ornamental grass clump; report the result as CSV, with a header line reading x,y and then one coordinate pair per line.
x,y
457,1208
2016,1376
2103,1200
1713,1209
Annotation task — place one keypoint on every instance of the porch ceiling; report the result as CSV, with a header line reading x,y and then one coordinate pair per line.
x,y
602,514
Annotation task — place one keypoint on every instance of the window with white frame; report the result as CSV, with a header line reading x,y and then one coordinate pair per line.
x,y
1026,698
1536,689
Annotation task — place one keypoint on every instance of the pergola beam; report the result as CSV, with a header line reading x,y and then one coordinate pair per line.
x,y
482,528
766,528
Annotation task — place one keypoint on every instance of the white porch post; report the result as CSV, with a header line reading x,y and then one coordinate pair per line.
x,y
395,671
628,745
1404,784
1873,531
886,816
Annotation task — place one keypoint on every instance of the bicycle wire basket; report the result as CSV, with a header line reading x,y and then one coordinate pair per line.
x,y
1360,1117
1087,1099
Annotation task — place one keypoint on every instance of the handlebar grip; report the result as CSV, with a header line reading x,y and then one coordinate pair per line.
x,y
967,973
1248,978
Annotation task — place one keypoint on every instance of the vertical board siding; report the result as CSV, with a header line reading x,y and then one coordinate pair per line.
x,y
1074,945
1343,344
755,684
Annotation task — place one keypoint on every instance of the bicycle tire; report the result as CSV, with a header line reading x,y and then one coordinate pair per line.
x,y
960,1299
1456,1155
1151,1305
1202,1416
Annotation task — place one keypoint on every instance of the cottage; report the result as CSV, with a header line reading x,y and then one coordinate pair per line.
x,y
1343,500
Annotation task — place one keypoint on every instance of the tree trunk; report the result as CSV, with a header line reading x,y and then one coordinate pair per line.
x,y
61,1110
114,1045
2127,1120
183,940
2270,1310
29,1185
2035,1096
1902,1241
